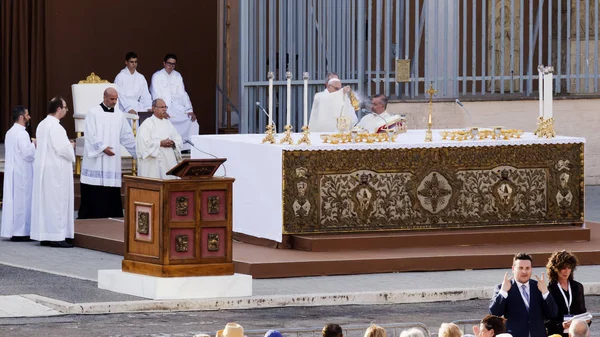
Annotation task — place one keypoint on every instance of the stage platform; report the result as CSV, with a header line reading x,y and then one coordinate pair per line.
x,y
397,252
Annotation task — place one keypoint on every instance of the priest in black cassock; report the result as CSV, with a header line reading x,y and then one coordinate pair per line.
x,y
106,129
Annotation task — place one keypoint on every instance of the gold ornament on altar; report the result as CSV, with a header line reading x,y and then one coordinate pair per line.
x,y
545,128
305,133
287,139
343,124
497,133
431,92
353,100
269,138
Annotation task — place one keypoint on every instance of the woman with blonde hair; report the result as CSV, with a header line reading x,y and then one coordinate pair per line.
x,y
375,331
449,330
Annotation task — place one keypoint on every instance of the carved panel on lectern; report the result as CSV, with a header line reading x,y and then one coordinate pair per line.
x,y
143,222
213,242
213,205
181,243
182,205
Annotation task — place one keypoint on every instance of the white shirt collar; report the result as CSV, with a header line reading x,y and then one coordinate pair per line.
x,y
522,284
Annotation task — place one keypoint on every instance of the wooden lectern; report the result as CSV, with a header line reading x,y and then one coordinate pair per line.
x,y
179,227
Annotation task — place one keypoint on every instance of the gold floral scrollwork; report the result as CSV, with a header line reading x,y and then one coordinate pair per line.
x,y
214,205
213,242
181,243
181,206
93,78
143,223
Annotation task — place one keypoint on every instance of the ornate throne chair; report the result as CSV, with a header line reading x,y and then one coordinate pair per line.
x,y
86,94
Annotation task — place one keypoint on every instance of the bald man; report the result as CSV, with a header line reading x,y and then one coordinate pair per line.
x,y
105,129
579,328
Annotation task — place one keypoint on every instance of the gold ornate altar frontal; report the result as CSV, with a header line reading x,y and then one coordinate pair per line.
x,y
429,188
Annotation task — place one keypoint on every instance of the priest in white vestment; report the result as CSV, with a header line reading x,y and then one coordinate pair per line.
x,y
18,178
105,130
330,104
132,87
380,118
52,214
167,84
158,144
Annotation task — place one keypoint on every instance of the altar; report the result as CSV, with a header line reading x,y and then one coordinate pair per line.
x,y
408,184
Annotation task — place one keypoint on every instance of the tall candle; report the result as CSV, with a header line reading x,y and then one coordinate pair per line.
x,y
288,76
540,81
305,77
547,95
270,77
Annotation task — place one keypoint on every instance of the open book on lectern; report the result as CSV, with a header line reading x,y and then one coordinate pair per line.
x,y
196,168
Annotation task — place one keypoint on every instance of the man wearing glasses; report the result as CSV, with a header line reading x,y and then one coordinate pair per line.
x,y
167,84
158,144
52,216
330,104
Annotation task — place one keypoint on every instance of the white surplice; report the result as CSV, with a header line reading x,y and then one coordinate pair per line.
x,y
18,181
327,107
153,160
373,122
133,91
103,129
52,214
170,88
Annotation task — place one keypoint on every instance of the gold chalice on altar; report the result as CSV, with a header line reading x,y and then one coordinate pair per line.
x,y
444,134
474,133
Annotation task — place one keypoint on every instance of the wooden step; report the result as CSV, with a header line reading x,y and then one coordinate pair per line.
x,y
436,238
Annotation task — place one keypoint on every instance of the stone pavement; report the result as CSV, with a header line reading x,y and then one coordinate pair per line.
x,y
41,281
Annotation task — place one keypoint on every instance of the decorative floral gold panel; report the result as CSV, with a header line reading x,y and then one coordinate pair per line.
x,y
181,206
395,189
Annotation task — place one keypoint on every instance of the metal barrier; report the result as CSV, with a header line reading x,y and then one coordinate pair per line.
x,y
392,330
463,47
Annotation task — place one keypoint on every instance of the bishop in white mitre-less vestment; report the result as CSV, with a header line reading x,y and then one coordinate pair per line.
x,y
169,87
327,107
158,145
105,126
133,91
52,214
18,179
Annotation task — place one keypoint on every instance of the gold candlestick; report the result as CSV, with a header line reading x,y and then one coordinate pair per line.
x,y
305,133
545,128
269,138
287,139
431,92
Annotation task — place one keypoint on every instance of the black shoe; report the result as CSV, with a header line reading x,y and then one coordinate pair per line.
x,y
45,243
61,244
20,239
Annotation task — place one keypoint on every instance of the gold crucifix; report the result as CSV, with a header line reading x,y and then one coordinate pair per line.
x,y
431,92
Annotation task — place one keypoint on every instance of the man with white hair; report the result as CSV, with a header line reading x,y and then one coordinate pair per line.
x,y
329,105
579,328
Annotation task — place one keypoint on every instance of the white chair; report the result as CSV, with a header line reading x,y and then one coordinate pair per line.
x,y
86,94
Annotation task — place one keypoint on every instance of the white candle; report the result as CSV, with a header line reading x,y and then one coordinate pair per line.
x,y
305,77
548,95
270,77
288,76
540,81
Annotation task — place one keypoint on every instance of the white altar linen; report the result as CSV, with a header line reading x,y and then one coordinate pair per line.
x,y
257,169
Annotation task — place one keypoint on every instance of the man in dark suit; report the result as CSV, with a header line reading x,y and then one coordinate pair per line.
x,y
525,303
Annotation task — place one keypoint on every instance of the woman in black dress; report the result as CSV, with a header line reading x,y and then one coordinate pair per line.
x,y
567,292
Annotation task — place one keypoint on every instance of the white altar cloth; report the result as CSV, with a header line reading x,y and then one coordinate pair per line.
x,y
257,169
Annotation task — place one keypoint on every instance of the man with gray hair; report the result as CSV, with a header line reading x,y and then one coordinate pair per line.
x,y
158,144
579,328
331,104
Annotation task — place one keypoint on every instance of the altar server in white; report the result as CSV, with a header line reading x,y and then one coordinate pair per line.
x,y
132,87
379,118
158,144
105,129
167,84
330,104
18,178
52,218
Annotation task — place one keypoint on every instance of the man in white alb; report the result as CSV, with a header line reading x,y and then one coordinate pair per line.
x,y
52,215
158,144
18,178
105,129
380,118
132,87
330,104
167,84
